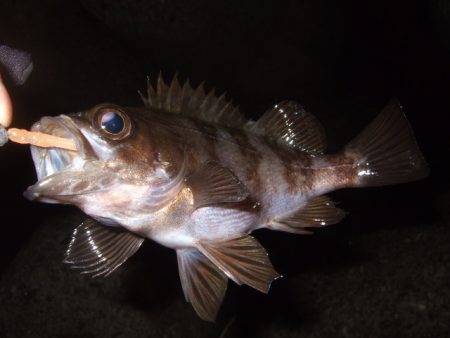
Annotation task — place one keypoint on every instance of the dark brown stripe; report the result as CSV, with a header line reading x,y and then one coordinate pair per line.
x,y
304,172
252,158
290,159
201,139
344,172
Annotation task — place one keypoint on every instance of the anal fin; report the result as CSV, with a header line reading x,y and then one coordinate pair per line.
x,y
204,284
243,260
319,211
98,250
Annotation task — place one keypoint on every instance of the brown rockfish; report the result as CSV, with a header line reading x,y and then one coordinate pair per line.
x,y
191,173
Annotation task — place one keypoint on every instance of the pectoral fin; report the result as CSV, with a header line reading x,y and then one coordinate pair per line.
x,y
243,260
319,211
214,184
98,250
204,284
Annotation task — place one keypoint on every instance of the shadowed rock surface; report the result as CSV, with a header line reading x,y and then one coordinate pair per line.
x,y
382,272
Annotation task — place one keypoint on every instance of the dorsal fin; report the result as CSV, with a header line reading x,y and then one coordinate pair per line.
x,y
290,125
187,101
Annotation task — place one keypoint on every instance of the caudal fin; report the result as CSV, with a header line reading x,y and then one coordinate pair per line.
x,y
386,151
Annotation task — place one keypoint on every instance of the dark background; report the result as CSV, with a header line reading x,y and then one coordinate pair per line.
x,y
383,272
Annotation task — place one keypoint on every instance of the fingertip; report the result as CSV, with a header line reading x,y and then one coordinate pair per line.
x,y
5,106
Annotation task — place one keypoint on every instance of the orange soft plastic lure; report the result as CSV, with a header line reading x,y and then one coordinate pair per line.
x,y
42,140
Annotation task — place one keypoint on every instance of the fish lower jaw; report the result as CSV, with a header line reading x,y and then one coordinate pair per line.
x,y
31,195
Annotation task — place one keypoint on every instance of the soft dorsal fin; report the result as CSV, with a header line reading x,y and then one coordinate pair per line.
x,y
204,284
289,124
319,211
243,260
185,100
98,250
215,184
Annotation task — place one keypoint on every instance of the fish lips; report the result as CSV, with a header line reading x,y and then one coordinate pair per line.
x,y
54,166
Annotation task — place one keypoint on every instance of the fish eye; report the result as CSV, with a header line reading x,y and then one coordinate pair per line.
x,y
112,122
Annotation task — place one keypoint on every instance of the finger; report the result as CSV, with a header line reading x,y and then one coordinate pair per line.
x,y
5,106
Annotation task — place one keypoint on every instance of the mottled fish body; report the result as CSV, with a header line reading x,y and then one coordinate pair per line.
x,y
189,172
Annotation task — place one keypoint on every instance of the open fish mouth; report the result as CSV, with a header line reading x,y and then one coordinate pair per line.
x,y
48,161
59,170
64,174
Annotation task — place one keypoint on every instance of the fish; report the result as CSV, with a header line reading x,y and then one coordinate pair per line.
x,y
189,171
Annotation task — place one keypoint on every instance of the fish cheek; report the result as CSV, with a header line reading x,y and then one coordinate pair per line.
x,y
170,151
154,148
137,151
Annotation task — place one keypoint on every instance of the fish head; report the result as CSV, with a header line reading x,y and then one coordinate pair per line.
x,y
124,159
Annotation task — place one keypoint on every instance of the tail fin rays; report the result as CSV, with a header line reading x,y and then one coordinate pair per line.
x,y
386,151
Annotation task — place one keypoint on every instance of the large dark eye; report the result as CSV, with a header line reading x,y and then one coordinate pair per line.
x,y
113,122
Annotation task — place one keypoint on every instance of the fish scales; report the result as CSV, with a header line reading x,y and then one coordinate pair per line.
x,y
189,172
257,164
281,180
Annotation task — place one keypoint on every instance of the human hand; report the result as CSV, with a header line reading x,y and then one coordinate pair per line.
x,y
5,106
17,66
21,135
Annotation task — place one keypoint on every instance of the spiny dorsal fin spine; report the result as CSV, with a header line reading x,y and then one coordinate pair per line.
x,y
172,100
207,101
161,89
184,100
153,96
214,105
225,109
185,94
196,98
